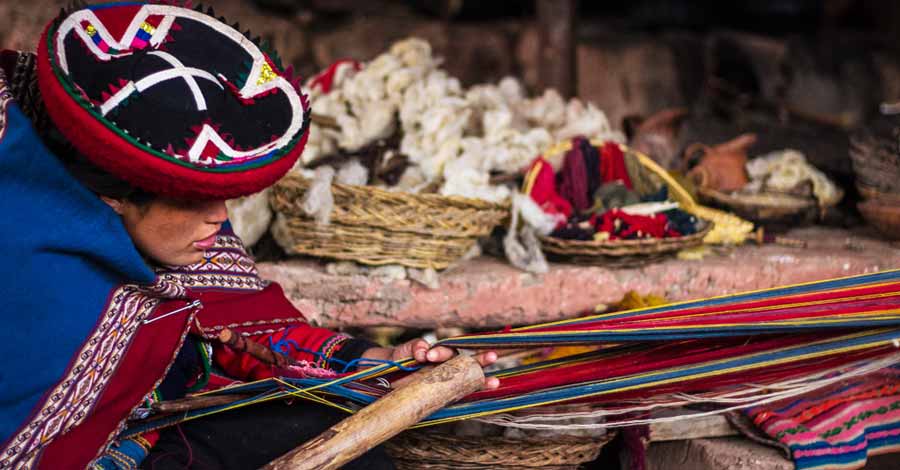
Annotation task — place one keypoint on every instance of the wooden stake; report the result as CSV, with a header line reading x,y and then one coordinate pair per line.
x,y
761,237
194,403
425,393
259,351
556,29
325,121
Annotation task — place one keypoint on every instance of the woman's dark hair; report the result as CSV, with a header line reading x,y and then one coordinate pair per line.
x,y
98,180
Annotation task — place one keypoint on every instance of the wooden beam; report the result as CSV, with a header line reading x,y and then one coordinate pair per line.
x,y
425,393
556,30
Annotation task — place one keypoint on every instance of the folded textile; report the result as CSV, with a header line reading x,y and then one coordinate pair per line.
x,y
838,427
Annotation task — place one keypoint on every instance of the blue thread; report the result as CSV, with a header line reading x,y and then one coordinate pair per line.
x,y
284,346
362,361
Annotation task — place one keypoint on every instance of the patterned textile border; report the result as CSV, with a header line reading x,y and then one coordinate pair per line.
x,y
226,266
71,401
5,98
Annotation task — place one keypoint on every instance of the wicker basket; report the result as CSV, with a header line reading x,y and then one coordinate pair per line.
x,y
438,451
884,216
871,193
765,208
622,252
376,227
628,252
876,162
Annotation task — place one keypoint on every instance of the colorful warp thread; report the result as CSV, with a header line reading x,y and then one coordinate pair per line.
x,y
855,302
690,347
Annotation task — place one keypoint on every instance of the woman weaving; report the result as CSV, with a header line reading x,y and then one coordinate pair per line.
x,y
121,267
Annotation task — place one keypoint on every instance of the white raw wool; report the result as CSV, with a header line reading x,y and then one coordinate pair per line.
x,y
250,216
346,268
318,200
392,272
451,135
353,173
533,215
281,234
522,247
785,170
427,277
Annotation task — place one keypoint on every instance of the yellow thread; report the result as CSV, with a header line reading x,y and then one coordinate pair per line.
x,y
266,74
720,297
529,179
666,381
148,28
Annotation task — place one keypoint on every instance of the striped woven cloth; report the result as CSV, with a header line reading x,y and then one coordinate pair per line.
x,y
839,427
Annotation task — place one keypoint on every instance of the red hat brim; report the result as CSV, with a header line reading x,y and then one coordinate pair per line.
x,y
123,156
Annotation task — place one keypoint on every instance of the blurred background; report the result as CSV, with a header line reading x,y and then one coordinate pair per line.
x,y
800,73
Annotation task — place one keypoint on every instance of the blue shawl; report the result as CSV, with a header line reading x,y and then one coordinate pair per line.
x,y
65,252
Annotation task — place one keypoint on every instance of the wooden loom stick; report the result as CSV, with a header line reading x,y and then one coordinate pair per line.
x,y
194,403
426,392
259,351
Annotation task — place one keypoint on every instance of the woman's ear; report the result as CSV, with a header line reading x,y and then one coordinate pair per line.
x,y
117,205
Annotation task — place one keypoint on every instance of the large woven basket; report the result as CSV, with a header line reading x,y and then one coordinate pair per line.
x,y
629,252
377,227
437,451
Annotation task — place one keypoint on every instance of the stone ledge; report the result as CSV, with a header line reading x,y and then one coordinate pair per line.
x,y
487,292
734,453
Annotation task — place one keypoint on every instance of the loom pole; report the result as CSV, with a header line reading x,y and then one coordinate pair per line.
x,y
258,351
424,393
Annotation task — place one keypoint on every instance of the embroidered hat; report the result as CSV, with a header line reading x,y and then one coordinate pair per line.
x,y
171,99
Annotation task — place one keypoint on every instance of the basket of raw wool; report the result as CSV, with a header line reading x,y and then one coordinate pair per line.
x,y
777,189
374,226
439,451
632,214
422,166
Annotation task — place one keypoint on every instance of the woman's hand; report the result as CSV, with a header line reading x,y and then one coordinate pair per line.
x,y
422,352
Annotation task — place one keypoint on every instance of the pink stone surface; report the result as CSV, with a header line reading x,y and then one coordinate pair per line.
x,y
487,292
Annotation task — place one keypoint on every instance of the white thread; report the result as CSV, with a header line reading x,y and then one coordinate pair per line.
x,y
808,384
195,304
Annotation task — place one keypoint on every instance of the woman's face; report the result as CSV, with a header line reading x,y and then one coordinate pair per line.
x,y
172,232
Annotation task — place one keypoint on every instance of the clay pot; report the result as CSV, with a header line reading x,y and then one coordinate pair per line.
x,y
657,135
722,167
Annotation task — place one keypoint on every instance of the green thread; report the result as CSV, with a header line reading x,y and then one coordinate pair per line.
x,y
860,418
206,361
